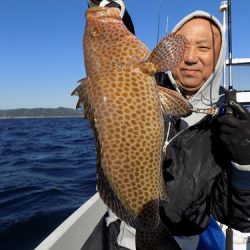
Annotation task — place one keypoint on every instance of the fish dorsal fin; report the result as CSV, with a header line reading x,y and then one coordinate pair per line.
x,y
172,103
168,53
82,93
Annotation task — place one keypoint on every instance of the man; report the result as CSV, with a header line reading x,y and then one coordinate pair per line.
x,y
201,155
202,168
207,163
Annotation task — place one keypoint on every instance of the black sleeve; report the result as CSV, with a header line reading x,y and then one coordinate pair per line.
x,y
231,204
230,195
196,171
128,22
163,80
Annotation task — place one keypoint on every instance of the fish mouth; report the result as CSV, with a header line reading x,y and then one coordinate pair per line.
x,y
103,12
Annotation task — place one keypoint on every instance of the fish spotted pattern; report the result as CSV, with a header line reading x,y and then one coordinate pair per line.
x,y
122,103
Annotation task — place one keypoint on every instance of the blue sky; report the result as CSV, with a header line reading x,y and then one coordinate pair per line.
x,y
41,55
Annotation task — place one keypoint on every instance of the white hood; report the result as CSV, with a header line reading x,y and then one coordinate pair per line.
x,y
208,94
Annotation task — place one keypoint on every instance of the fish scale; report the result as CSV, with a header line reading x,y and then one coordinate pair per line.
x,y
125,108
118,147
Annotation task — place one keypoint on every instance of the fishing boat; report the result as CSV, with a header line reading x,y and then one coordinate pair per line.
x,y
76,229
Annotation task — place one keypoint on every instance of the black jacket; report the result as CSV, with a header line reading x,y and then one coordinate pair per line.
x,y
197,173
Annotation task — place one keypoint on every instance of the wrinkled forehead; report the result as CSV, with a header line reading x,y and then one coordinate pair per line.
x,y
208,25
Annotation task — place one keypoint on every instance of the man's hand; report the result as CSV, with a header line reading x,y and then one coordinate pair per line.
x,y
235,133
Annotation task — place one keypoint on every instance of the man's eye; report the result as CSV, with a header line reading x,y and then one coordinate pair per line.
x,y
204,48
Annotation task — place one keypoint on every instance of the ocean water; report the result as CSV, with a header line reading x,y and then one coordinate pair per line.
x,y
47,170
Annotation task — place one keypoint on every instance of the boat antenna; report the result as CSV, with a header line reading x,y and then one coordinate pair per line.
x,y
158,22
230,86
223,9
167,25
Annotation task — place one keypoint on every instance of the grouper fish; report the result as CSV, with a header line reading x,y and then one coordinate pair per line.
x,y
125,109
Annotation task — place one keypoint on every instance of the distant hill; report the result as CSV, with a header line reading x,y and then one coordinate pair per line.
x,y
39,112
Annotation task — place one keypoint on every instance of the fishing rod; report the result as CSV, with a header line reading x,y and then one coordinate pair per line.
x,y
158,22
230,93
230,84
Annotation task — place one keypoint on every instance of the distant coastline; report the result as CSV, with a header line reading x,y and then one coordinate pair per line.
x,y
39,113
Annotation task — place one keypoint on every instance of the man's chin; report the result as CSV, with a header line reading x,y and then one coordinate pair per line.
x,y
190,88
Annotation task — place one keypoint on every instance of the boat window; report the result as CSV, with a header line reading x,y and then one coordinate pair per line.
x,y
240,77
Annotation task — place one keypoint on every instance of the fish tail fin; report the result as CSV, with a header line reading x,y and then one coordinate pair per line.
x,y
168,53
156,239
172,103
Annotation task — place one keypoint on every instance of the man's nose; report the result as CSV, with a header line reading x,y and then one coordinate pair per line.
x,y
191,55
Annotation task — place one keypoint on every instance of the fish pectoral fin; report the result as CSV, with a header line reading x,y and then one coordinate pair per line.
x,y
82,93
168,53
172,103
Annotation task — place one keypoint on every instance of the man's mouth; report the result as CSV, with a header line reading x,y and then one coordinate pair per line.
x,y
189,71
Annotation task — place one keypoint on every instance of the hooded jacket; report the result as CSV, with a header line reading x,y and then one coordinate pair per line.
x,y
210,92
197,167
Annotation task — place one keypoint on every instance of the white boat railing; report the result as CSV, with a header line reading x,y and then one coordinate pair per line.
x,y
76,229
239,61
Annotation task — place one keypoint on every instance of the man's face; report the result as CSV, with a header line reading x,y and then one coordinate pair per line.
x,y
201,56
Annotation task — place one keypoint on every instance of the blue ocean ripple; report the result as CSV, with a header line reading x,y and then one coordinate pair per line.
x,y
47,171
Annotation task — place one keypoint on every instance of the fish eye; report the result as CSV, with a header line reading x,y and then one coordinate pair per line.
x,y
94,33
